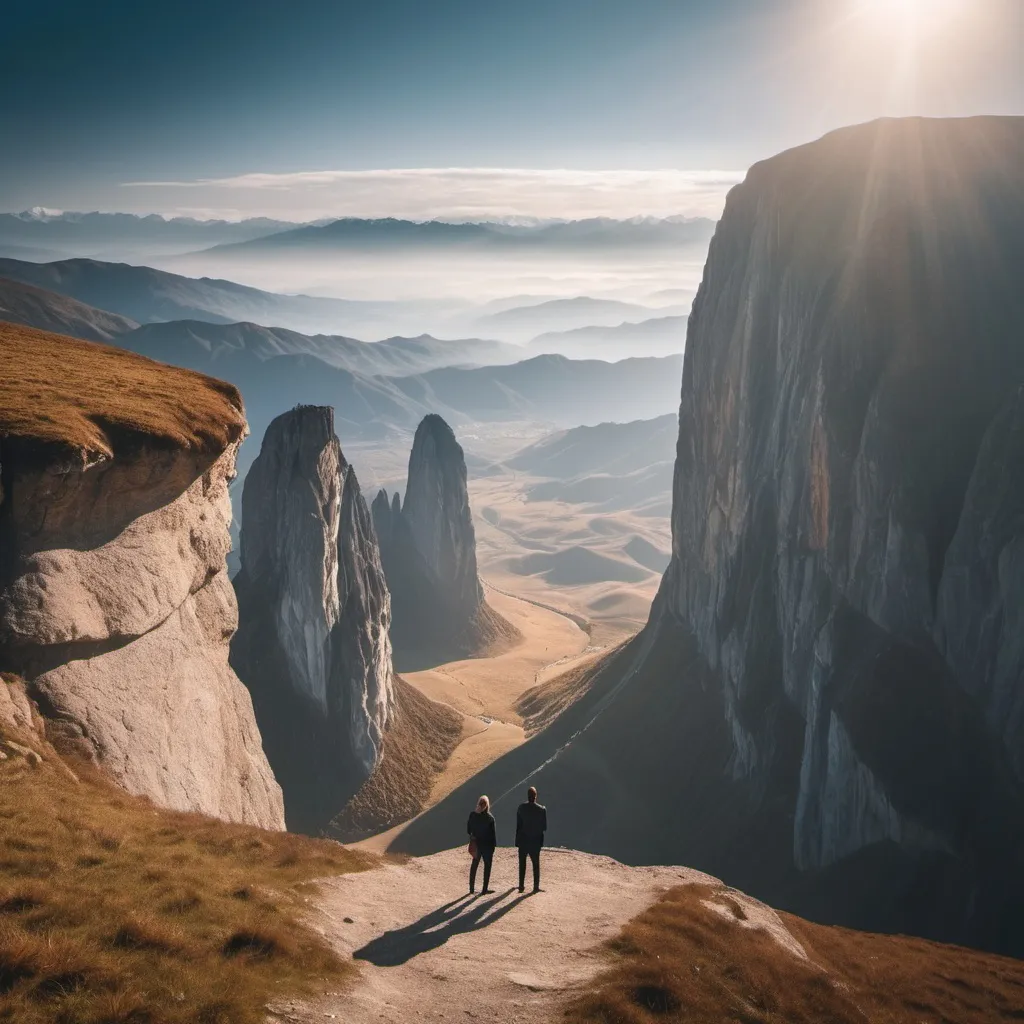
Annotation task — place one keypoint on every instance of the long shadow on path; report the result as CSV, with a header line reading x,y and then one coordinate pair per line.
x,y
399,946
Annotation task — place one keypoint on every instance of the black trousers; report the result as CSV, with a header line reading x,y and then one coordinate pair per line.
x,y
485,854
533,852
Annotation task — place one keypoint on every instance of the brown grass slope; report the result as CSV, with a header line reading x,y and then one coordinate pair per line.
x,y
417,745
35,307
115,912
681,961
71,394
542,704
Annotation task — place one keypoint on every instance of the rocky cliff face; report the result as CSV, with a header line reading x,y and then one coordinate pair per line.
x,y
115,605
428,548
847,513
437,510
827,705
313,644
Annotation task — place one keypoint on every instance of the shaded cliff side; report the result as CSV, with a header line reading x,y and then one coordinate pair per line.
x,y
827,705
313,642
115,606
428,549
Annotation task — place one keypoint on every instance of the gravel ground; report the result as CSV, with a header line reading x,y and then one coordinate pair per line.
x,y
427,951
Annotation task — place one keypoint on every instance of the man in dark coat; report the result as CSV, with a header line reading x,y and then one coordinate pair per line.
x,y
531,824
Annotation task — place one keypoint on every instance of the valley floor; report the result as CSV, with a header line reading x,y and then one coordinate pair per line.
x,y
486,691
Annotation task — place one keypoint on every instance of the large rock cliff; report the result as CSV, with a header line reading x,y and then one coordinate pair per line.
x,y
847,511
313,644
115,605
827,705
428,548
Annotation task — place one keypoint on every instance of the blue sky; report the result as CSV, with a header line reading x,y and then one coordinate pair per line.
x,y
97,95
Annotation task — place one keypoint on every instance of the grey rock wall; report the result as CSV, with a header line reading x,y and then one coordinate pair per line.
x,y
437,510
428,550
313,643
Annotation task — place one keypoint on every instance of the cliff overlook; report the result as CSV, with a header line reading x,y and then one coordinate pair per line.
x,y
115,606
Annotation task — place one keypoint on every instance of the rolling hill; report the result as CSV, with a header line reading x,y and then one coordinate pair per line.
x,y
605,448
200,344
658,336
36,307
537,319
212,344
647,491
552,388
151,296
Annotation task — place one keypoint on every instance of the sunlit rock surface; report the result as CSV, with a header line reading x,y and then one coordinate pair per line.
x,y
115,605
313,644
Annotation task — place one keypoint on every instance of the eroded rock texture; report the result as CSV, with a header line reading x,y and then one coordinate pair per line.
x,y
116,609
847,522
428,548
313,645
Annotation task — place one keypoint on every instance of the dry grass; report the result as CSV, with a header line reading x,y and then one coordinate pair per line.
x,y
542,704
417,746
115,912
680,961
56,390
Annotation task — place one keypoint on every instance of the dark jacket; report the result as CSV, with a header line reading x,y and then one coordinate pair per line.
x,y
481,827
531,824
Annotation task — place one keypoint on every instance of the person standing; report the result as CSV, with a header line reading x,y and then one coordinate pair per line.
x,y
482,842
531,824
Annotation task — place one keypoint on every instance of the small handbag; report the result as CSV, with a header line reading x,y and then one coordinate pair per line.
x,y
473,849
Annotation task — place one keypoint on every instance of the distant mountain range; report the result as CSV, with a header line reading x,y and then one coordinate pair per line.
x,y
54,234
586,327
119,235
376,388
354,233
662,335
214,345
207,346
541,319
551,388
149,296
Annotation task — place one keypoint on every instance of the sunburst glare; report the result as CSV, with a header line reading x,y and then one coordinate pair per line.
x,y
912,15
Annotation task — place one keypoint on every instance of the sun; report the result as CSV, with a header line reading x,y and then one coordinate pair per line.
x,y
911,15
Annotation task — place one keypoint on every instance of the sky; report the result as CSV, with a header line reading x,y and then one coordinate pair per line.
x,y
464,108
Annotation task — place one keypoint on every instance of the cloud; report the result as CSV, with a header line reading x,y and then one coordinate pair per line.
x,y
454,193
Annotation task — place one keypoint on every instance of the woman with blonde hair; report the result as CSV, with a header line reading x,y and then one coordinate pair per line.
x,y
482,842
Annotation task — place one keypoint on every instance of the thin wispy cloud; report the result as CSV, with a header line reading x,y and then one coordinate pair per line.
x,y
455,193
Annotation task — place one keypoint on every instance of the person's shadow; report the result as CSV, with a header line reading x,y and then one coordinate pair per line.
x,y
434,929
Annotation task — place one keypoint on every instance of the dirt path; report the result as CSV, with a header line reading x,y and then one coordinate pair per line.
x,y
427,951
